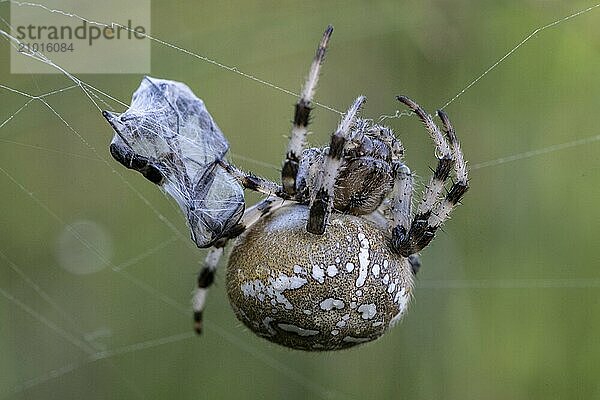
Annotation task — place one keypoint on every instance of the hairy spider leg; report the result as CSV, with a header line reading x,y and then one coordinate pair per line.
x,y
255,183
400,208
303,108
441,211
322,195
206,276
443,153
460,187
432,212
401,204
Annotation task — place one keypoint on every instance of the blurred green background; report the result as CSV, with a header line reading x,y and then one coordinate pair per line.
x,y
507,302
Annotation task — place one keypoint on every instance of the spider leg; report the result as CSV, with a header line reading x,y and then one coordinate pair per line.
x,y
442,211
289,170
255,183
432,212
443,154
400,208
401,204
207,273
206,278
322,196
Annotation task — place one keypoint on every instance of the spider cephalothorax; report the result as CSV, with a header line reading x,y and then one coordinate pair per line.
x,y
366,174
327,260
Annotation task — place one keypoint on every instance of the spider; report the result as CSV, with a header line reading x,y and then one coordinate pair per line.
x,y
327,260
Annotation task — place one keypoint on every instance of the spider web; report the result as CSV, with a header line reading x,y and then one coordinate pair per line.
x,y
71,332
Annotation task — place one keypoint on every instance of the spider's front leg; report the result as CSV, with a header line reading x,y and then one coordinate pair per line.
x,y
400,208
442,211
322,196
289,170
206,277
255,183
432,212
401,204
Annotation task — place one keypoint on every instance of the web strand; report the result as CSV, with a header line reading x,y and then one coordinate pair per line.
x,y
93,95
536,152
49,300
45,321
521,43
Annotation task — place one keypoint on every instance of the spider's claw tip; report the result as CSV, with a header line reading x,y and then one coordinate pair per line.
x,y
324,41
405,100
443,116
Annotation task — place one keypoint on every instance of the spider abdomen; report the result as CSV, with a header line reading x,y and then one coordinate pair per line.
x,y
317,292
